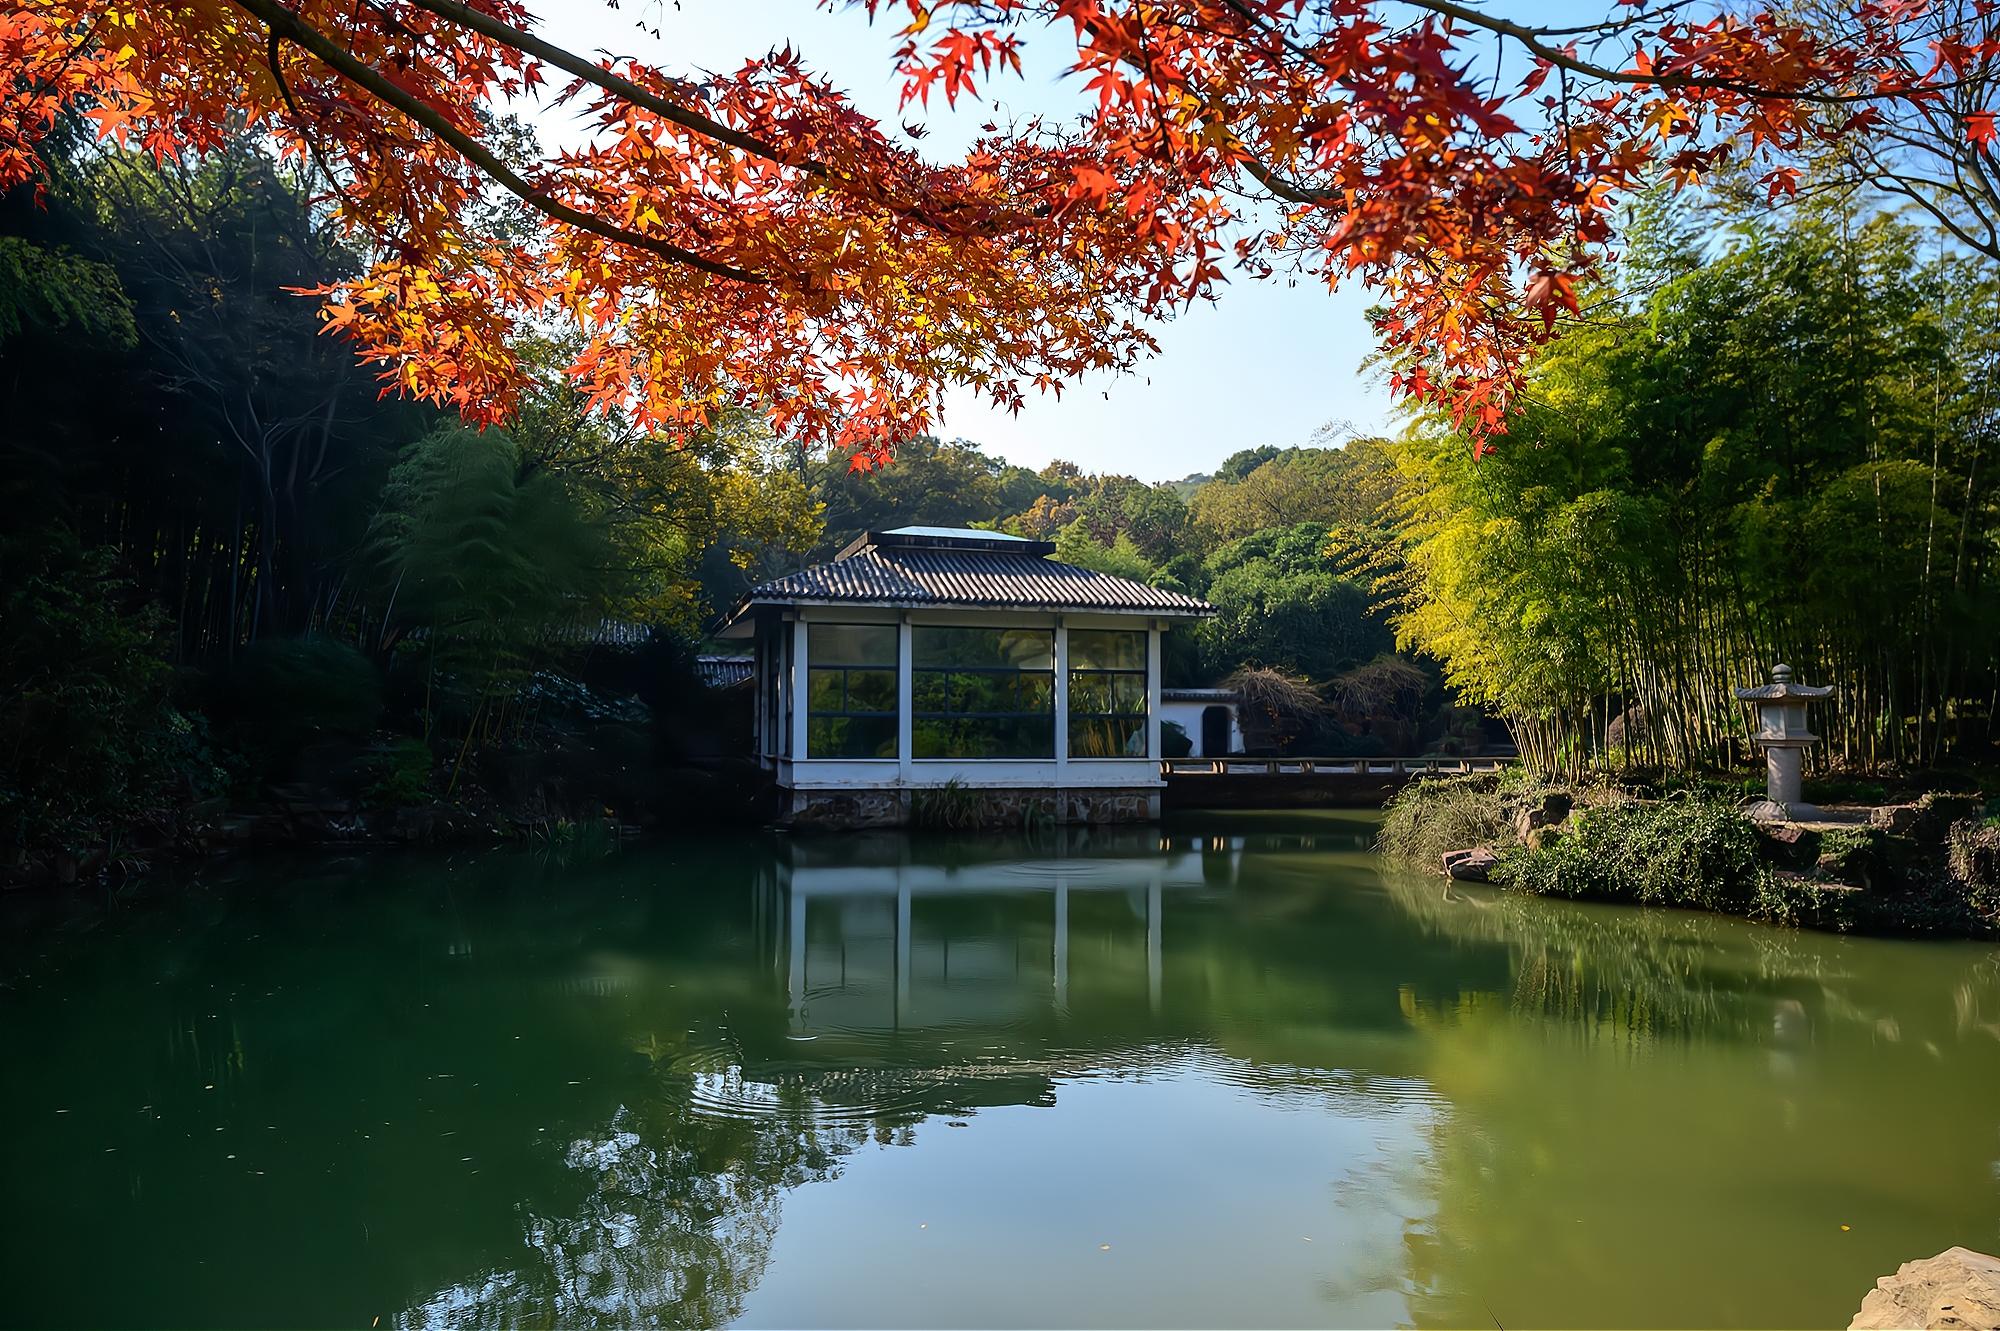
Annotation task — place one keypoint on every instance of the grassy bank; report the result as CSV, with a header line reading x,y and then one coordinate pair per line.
x,y
1696,852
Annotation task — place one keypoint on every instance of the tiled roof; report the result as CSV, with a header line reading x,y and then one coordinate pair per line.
x,y
943,574
720,672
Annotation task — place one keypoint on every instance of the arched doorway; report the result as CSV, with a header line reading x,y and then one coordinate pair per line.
x,y
1214,731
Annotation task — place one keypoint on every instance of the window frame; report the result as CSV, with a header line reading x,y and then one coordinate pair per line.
x,y
918,715
1144,716
846,712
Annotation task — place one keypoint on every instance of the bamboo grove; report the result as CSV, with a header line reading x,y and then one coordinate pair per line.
x,y
1780,448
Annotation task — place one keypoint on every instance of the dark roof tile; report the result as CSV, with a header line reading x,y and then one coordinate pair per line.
x,y
922,576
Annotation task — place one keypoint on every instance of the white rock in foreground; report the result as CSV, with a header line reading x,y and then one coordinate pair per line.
x,y
1957,1290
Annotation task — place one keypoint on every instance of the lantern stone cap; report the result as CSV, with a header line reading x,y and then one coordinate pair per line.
x,y
1781,688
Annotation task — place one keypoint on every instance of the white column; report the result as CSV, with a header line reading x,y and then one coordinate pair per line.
x,y
902,947
800,691
1153,690
795,977
1062,944
1062,704
1153,906
757,666
905,751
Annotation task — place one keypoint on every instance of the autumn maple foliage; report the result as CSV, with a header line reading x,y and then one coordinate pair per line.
x,y
752,238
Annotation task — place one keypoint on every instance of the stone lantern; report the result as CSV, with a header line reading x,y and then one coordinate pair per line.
x,y
1782,733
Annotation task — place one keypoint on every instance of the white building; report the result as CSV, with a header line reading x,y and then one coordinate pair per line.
x,y
871,940
1208,717
926,656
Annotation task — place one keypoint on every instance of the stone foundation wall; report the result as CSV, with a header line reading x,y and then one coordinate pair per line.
x,y
849,810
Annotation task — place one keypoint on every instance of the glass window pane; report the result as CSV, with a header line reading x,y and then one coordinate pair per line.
x,y
930,691
825,736
873,736
851,737
1020,649
1107,737
1090,693
823,690
871,691
1128,694
851,644
983,737
1107,649
1035,693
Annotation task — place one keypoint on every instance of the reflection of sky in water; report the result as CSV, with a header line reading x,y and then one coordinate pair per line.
x,y
1235,1076
1220,1205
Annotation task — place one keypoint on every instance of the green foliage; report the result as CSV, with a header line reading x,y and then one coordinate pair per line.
x,y
691,525
1831,790
1686,852
1330,486
932,483
87,735
1778,452
400,774
494,562
953,806
288,692
1121,558
1426,818
1973,850
1798,903
54,293
564,842
1280,601
1244,461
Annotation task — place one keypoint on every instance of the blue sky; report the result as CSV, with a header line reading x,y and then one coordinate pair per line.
x,y
1266,364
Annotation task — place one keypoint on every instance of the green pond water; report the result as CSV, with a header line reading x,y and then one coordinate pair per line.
x,y
1221,1073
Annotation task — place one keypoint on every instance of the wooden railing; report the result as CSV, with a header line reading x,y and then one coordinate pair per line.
x,y
1389,767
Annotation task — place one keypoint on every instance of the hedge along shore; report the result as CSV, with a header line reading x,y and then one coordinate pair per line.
x,y
1930,867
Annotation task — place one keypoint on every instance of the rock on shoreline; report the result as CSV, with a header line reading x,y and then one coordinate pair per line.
x,y
1957,1290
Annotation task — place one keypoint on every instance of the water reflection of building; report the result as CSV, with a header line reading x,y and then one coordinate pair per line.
x,y
873,938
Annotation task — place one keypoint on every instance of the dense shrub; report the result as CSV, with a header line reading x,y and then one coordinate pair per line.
x,y
1427,818
289,692
400,774
1974,856
1688,852
88,739
1800,903
1929,903
1857,855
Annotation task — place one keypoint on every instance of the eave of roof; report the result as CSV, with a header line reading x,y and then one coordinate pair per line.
x,y
918,576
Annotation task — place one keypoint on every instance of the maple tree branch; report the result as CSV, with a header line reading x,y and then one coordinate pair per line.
x,y
452,11
1290,191
528,44
1532,38
83,43
281,20
272,58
